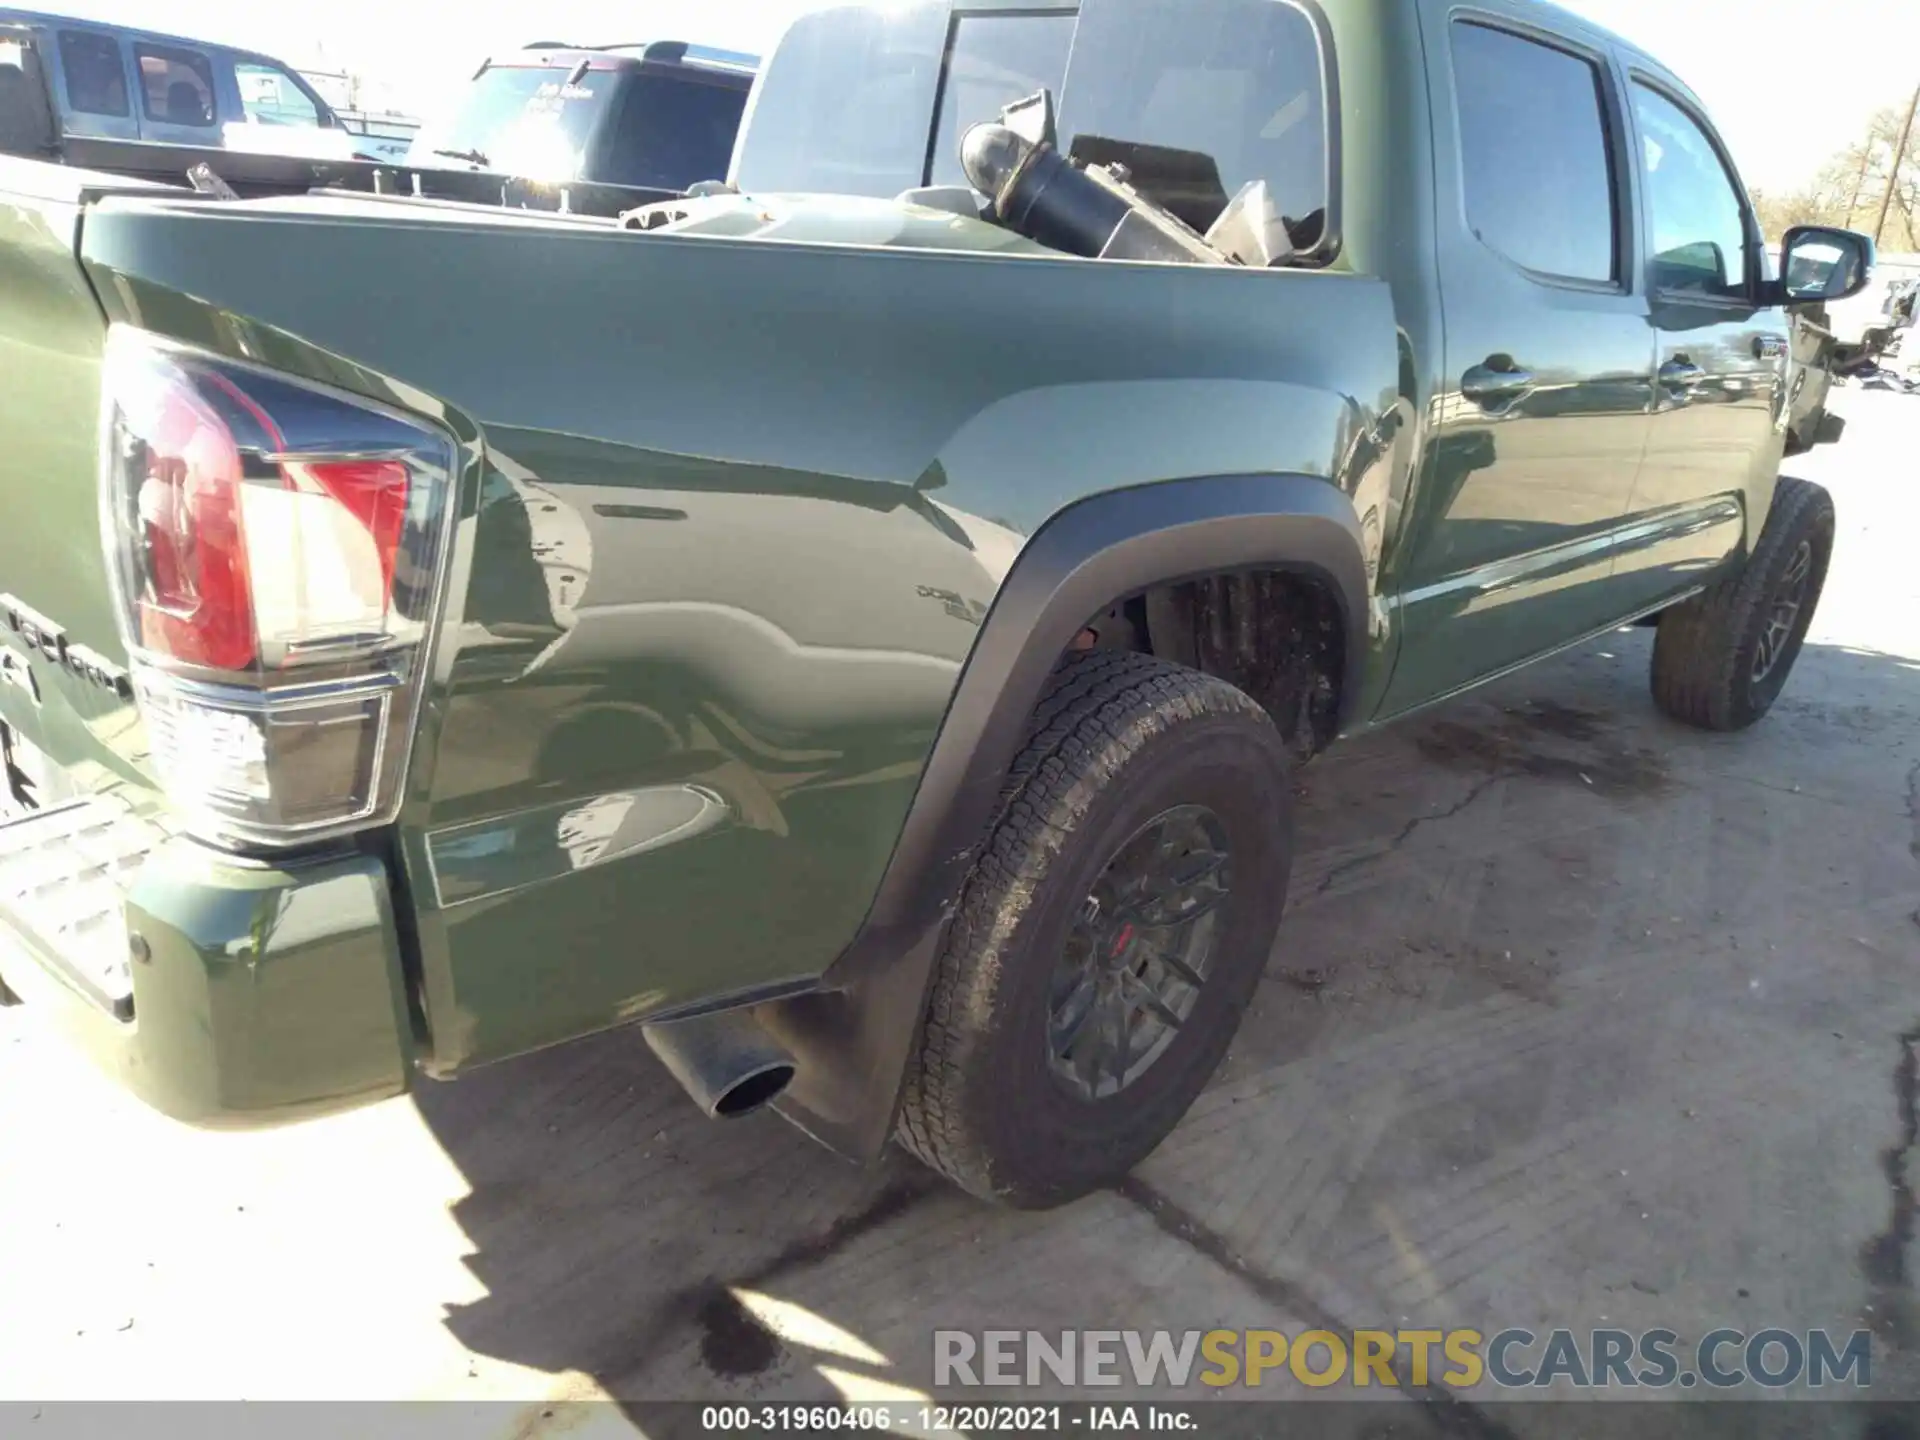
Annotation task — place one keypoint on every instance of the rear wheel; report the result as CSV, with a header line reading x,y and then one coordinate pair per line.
x,y
1721,659
1110,936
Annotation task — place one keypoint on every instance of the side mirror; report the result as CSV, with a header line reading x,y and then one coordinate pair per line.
x,y
1699,267
1820,264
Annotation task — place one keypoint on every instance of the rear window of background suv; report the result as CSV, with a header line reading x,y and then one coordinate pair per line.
x,y
848,101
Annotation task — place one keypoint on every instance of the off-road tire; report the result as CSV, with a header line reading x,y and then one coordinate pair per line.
x,y
1704,650
1117,740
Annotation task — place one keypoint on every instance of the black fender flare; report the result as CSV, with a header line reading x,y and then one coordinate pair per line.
x,y
852,1038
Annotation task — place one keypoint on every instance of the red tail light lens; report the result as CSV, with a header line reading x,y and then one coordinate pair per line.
x,y
374,492
197,604
276,546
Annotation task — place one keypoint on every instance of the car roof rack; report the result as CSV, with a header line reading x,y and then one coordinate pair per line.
x,y
672,52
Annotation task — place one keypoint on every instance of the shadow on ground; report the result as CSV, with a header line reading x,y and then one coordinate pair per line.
x,y
1609,942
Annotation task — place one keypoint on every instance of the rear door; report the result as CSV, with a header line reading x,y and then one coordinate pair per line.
x,y
1542,415
1718,429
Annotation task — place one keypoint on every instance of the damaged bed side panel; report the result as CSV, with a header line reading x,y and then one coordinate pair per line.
x,y
722,566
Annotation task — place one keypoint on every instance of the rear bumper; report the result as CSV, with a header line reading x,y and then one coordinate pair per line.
x,y
259,994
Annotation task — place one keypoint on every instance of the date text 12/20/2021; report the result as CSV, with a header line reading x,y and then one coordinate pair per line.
x,y
918,1418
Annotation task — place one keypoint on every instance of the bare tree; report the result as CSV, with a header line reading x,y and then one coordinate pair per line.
x,y
1850,187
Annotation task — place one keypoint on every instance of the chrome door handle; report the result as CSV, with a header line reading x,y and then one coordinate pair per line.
x,y
1485,383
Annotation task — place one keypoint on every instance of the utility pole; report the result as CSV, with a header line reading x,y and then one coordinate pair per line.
x,y
1899,159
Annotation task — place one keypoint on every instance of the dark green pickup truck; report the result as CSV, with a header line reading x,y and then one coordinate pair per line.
x,y
858,624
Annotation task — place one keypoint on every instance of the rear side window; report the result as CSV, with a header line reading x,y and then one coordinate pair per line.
x,y
1699,219
96,76
994,60
176,86
871,100
673,132
1534,153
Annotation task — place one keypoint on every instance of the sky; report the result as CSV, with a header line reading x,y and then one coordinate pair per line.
x,y
1789,82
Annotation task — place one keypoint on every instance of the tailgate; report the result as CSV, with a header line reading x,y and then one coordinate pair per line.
x,y
70,728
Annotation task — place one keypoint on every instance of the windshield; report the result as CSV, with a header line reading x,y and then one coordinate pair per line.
x,y
525,120
873,102
654,128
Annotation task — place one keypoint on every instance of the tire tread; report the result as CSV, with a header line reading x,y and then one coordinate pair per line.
x,y
1697,652
1096,706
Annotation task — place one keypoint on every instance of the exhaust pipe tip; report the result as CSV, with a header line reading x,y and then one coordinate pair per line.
x,y
726,1063
753,1092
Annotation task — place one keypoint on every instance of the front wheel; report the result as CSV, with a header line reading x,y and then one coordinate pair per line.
x,y
1111,934
1721,659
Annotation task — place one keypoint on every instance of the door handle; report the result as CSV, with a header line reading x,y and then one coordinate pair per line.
x,y
1495,379
1681,373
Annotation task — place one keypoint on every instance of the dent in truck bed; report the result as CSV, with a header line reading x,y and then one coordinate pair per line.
x,y
708,603
692,557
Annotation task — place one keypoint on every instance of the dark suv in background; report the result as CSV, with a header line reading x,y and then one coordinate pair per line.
x,y
657,116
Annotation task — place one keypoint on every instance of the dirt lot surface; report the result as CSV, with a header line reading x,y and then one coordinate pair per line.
x,y
1578,1018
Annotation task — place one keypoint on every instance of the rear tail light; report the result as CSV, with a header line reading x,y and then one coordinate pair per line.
x,y
276,552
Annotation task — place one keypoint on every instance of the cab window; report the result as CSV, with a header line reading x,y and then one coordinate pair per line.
x,y
873,100
271,96
96,76
845,104
1700,236
176,86
992,61
1237,83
